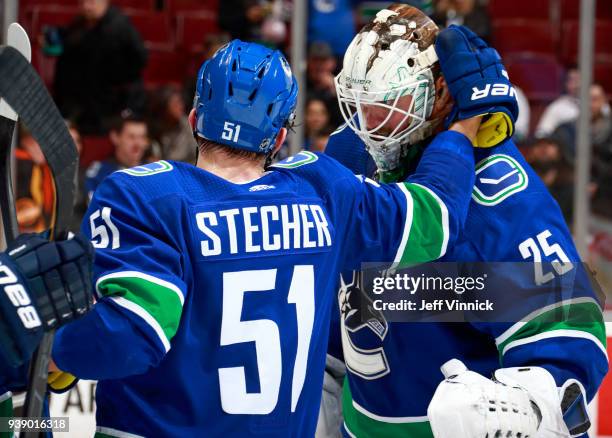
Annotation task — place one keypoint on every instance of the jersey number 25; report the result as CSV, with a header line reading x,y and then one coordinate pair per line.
x,y
560,263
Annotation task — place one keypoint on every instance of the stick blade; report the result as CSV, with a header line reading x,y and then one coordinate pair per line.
x,y
18,38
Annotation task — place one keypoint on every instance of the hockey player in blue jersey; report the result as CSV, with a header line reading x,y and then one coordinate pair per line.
x,y
553,360
212,281
44,285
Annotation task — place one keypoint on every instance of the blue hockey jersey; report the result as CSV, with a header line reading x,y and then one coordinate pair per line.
x,y
393,368
214,298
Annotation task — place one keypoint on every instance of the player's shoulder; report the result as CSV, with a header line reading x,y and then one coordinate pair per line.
x,y
509,201
505,181
147,181
311,164
320,171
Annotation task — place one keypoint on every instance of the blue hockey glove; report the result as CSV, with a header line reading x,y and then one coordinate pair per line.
x,y
479,84
44,285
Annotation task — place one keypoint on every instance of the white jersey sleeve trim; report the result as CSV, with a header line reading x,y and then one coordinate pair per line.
x,y
348,431
339,129
4,397
407,224
142,275
116,433
519,325
563,333
369,414
146,316
444,210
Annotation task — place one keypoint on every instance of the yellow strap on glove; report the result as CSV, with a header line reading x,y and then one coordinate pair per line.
x,y
60,381
495,129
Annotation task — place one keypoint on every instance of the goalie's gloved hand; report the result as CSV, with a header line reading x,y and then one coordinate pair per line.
x,y
43,286
521,401
468,405
478,83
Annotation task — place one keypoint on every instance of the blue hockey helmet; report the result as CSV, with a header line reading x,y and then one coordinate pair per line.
x,y
244,95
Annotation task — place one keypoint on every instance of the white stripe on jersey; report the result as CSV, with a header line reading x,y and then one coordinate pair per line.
x,y
138,310
562,333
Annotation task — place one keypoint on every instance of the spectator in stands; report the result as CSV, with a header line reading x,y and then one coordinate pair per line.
x,y
546,158
169,126
129,136
320,73
34,196
468,13
521,128
253,20
332,22
99,71
319,141
601,125
602,151
316,120
563,109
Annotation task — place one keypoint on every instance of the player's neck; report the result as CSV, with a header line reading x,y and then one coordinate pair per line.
x,y
234,169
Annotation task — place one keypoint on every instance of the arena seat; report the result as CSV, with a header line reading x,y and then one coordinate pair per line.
x,y
602,73
144,5
570,9
95,149
28,5
191,29
518,35
539,76
48,15
164,67
177,6
569,39
154,27
536,9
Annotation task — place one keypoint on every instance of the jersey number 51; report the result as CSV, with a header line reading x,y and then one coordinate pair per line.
x,y
264,332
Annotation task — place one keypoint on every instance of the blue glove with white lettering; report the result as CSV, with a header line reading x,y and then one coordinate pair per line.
x,y
479,84
43,285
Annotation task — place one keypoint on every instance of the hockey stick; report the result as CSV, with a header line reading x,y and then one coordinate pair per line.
x,y
23,89
18,38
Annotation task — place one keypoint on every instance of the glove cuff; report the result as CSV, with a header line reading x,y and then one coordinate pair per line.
x,y
542,389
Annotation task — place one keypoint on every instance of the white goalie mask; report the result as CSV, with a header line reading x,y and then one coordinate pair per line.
x,y
386,89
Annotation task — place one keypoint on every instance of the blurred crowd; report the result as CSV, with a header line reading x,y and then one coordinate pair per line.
x,y
121,121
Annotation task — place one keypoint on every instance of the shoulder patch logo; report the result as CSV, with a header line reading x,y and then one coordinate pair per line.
x,y
149,169
297,160
497,178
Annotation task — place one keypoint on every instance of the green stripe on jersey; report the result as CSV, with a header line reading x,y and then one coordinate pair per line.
x,y
6,411
426,232
582,318
162,303
361,426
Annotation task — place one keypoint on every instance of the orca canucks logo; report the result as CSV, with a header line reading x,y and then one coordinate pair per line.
x,y
149,169
297,160
498,177
358,322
